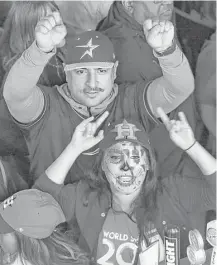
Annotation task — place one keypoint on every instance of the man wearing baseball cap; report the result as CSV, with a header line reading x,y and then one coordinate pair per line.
x,y
29,223
48,117
121,206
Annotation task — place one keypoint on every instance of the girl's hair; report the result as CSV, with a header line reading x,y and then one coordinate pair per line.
x,y
54,250
19,28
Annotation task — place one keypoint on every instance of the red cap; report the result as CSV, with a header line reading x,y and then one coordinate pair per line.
x,y
32,213
88,49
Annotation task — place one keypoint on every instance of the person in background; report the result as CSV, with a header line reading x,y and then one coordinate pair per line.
x,y
19,34
80,16
124,25
205,82
32,232
48,117
1,68
10,179
121,208
195,21
205,92
4,9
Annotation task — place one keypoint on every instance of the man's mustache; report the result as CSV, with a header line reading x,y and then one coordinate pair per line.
x,y
95,89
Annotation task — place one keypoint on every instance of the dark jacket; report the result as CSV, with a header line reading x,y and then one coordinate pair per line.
x,y
178,198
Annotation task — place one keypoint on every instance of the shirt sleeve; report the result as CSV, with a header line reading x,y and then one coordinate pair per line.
x,y
65,195
24,98
196,192
174,87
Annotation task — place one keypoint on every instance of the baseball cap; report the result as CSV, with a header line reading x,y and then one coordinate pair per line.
x,y
32,213
88,49
125,130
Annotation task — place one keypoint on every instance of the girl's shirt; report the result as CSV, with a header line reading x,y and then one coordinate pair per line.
x,y
118,240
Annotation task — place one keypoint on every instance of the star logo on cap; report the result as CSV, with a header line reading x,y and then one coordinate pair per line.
x,y
90,47
125,130
9,202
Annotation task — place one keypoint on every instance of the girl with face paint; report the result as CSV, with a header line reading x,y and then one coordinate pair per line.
x,y
120,206
125,165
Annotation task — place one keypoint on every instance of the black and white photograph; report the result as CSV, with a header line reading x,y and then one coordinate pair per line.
x,y
108,132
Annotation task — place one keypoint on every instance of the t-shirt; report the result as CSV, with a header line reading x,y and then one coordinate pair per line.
x,y
118,240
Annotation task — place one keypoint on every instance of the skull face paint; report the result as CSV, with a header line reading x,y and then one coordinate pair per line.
x,y
125,165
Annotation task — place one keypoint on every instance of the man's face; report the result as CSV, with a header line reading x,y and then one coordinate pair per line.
x,y
143,10
91,86
125,165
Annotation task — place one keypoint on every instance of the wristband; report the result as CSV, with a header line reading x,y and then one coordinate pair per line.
x,y
191,145
168,51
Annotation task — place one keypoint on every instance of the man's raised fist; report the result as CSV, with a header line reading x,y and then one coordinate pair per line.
x,y
50,32
159,34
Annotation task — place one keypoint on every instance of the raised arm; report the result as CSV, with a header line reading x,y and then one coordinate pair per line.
x,y
182,135
177,82
24,98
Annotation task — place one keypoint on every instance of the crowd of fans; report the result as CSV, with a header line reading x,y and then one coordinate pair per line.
x,y
107,117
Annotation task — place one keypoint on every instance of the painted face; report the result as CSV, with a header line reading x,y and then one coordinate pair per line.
x,y
125,165
161,10
91,86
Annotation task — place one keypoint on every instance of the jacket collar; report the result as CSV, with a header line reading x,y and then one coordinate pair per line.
x,y
83,110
